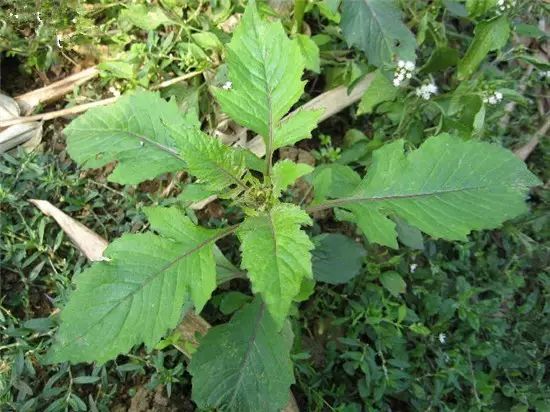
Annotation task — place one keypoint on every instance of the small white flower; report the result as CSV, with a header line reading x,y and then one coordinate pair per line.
x,y
401,63
408,75
400,77
413,267
396,82
426,91
442,337
58,40
492,100
409,66
432,88
227,85
498,96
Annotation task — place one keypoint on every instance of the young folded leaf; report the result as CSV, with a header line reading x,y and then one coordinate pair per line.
x,y
446,188
244,365
286,172
133,132
276,253
265,68
138,294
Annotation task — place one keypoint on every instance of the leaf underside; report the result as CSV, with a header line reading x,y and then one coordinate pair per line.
x,y
446,188
138,294
276,253
133,132
244,365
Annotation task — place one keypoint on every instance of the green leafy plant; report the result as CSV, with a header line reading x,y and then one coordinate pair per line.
x,y
446,188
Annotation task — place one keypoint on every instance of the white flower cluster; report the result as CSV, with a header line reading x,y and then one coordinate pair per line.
x,y
426,91
227,85
404,71
494,98
505,5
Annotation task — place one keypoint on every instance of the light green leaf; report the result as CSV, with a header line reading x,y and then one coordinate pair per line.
x,y
265,68
275,251
286,172
393,282
138,294
132,132
194,192
477,8
380,90
310,52
375,26
446,188
145,18
118,69
336,258
489,35
244,365
215,164
207,40
296,127
333,180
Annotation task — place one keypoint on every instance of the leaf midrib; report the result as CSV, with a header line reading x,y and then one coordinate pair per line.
x,y
159,146
248,352
356,199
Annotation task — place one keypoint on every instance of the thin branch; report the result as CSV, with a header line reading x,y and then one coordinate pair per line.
x,y
524,151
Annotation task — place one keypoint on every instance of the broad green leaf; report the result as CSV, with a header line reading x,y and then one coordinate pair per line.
x,y
265,68
336,258
446,188
296,127
144,17
477,8
215,164
133,132
489,35
333,180
244,365
275,251
310,53
138,294
194,192
380,90
286,172
393,282
376,27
